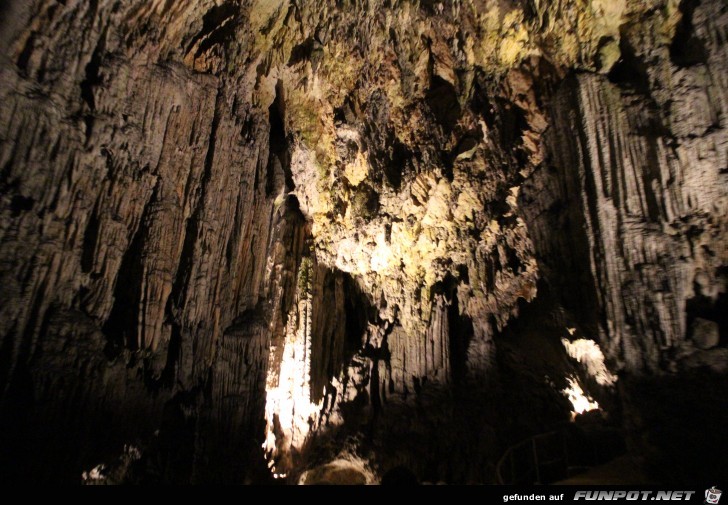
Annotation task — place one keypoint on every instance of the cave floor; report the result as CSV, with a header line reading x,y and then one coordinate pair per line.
x,y
622,470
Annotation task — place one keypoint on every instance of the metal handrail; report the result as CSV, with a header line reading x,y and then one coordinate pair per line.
x,y
533,473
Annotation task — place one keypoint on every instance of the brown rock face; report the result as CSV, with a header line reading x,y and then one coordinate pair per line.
x,y
343,241
643,212
705,333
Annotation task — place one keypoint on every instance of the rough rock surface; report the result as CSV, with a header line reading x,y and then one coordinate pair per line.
x,y
255,237
637,179
705,333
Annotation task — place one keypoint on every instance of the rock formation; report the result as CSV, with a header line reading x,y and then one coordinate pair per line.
x,y
342,241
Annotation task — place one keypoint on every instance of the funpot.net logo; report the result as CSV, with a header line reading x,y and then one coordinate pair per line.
x,y
634,495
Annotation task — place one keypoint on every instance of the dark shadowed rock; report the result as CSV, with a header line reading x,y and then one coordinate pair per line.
x,y
705,333
345,241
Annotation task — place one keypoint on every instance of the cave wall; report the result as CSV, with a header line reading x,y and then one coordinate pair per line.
x,y
210,209
135,231
636,178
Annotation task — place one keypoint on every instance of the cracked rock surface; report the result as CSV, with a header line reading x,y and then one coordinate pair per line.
x,y
336,239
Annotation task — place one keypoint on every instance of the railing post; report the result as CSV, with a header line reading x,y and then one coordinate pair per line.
x,y
565,447
535,459
513,468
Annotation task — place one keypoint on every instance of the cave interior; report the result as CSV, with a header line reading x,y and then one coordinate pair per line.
x,y
364,242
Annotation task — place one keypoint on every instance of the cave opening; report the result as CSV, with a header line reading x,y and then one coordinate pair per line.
x,y
442,98
278,170
461,333
686,48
